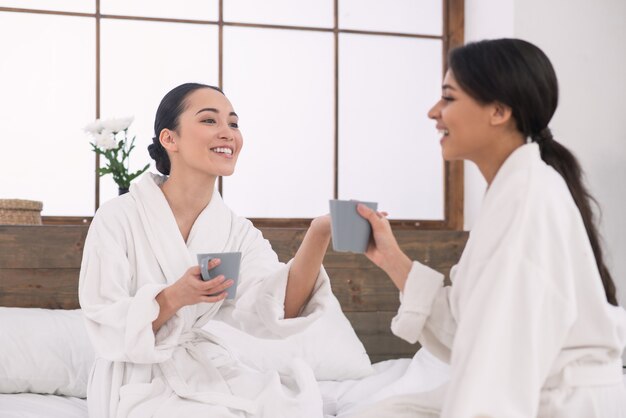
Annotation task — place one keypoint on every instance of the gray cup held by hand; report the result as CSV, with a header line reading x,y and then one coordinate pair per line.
x,y
350,232
229,267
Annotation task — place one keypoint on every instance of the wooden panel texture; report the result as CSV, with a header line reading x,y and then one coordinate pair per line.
x,y
39,267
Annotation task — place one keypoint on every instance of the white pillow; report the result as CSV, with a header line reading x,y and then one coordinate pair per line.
x,y
329,346
44,351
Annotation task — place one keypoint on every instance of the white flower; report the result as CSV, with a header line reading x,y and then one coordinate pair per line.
x,y
116,125
105,140
94,127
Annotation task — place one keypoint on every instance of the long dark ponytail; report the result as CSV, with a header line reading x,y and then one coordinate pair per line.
x,y
518,74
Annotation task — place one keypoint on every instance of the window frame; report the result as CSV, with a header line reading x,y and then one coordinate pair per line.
x,y
453,29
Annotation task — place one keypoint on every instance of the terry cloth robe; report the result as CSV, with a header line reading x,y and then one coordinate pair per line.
x,y
525,325
134,250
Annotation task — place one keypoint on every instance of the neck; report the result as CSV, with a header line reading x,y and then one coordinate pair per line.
x,y
492,158
188,194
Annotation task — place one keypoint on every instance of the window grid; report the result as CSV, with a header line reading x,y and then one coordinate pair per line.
x,y
453,17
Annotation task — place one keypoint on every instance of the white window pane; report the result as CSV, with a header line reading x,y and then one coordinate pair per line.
x,y
423,17
281,85
388,149
47,80
80,6
188,9
141,62
318,13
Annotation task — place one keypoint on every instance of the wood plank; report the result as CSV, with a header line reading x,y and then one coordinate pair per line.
x,y
41,246
387,346
363,289
39,288
439,249
358,284
55,246
373,329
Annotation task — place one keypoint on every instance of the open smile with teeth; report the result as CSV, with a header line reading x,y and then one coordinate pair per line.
x,y
225,151
443,132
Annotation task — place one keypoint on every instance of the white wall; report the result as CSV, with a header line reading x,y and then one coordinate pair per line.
x,y
585,42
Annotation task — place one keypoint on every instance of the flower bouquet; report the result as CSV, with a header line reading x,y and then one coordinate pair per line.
x,y
116,150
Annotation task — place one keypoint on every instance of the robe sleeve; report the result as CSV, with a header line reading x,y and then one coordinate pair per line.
x,y
119,317
424,314
515,320
260,303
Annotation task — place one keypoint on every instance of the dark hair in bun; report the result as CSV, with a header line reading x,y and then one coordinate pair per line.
x,y
167,115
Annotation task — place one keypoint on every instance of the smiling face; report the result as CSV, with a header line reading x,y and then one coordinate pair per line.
x,y
466,125
208,139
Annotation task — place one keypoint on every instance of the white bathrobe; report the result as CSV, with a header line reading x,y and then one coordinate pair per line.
x,y
525,325
133,251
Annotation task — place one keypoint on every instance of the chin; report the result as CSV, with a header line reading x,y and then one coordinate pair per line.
x,y
227,172
448,153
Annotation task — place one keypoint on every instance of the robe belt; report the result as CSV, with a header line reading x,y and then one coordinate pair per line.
x,y
189,341
577,375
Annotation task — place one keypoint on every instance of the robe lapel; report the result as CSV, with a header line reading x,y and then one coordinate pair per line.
x,y
209,233
212,229
161,229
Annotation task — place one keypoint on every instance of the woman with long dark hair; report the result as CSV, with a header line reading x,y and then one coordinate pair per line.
x,y
530,325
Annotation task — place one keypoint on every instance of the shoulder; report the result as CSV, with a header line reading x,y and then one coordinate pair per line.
x,y
115,217
244,227
528,201
527,185
550,196
116,209
249,237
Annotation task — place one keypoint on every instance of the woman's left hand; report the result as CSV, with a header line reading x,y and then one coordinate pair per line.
x,y
306,265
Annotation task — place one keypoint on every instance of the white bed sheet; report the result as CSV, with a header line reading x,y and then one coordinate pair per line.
x,y
32,405
391,377
422,373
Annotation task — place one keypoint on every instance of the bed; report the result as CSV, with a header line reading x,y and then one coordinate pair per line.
x,y
45,356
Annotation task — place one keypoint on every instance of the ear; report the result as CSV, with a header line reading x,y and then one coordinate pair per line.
x,y
167,140
501,114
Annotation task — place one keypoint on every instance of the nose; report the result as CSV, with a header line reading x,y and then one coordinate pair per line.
x,y
226,133
435,111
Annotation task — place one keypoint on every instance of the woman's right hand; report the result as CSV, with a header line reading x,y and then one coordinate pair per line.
x,y
190,289
383,249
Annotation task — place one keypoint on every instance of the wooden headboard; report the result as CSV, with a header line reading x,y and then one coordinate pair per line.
x,y
39,267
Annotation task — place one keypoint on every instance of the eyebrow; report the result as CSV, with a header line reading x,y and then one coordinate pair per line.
x,y
447,86
212,109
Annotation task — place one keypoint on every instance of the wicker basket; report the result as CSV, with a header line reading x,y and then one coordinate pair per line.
x,y
20,212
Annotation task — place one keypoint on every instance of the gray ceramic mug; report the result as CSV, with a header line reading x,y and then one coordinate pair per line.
x,y
350,232
229,267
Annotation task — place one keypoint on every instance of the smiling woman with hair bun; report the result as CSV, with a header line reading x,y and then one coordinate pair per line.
x,y
145,302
